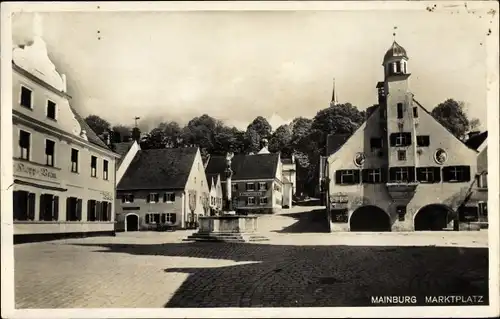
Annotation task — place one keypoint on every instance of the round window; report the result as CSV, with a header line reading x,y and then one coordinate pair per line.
x,y
359,159
440,156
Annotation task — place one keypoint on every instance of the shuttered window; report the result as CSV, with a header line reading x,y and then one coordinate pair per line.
x,y
429,174
347,177
456,174
402,174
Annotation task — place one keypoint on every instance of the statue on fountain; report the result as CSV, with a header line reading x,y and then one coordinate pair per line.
x,y
228,207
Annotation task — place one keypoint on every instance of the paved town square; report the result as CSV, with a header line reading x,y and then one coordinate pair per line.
x,y
154,269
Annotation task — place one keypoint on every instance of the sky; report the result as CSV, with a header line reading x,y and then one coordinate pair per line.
x,y
236,65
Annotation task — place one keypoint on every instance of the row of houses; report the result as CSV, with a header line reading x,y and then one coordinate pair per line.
x,y
402,170
70,182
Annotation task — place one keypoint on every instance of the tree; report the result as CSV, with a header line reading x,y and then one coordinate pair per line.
x,y
97,124
281,141
201,131
121,133
229,139
261,126
252,141
171,133
451,114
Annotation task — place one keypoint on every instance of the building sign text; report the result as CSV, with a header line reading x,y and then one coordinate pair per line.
x,y
34,171
251,194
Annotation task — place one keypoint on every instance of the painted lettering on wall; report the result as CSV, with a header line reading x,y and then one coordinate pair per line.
x,y
34,171
107,195
251,194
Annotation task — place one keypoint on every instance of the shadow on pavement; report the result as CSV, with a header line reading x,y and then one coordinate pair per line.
x,y
317,276
313,221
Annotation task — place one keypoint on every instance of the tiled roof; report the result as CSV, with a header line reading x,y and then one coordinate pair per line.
x,y
166,168
245,167
335,141
91,135
122,149
477,140
210,177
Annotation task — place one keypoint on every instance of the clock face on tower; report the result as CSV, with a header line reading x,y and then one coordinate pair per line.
x,y
359,159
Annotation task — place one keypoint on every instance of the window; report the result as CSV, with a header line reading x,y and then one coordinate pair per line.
x,y
74,160
93,166
415,111
262,186
98,211
423,140
160,218
400,110
482,180
105,212
91,210
263,200
251,201
250,186
127,198
153,198
26,97
398,67
429,174
483,209
105,170
348,176
168,197
73,209
49,207
373,175
456,174
49,152
401,210
25,144
23,204
400,139
402,174
401,155
234,187
376,142
51,110
195,180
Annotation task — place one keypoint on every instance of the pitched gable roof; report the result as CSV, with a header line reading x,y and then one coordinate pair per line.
x,y
122,149
91,135
166,168
245,167
477,140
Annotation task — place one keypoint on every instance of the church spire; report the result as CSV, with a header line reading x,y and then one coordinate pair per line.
x,y
334,100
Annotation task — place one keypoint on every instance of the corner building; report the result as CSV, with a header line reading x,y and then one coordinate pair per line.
x,y
64,175
401,170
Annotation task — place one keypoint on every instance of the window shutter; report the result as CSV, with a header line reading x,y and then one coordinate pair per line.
x,y
148,198
164,197
383,173
437,174
446,174
173,218
466,173
69,213
411,174
365,175
31,206
357,176
392,174
89,210
79,210
55,215
108,211
408,139
98,210
338,175
392,139
420,174
123,198
42,207
147,218
163,218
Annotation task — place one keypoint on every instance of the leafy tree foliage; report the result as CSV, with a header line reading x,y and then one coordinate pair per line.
x,y
451,114
281,141
97,124
121,133
261,126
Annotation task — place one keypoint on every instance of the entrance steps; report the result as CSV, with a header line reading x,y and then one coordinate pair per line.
x,y
227,237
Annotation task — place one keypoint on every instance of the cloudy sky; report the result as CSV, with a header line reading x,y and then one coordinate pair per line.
x,y
237,65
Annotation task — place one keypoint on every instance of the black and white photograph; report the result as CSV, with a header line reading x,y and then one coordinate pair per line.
x,y
250,159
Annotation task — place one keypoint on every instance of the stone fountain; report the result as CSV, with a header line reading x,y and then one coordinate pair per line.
x,y
228,226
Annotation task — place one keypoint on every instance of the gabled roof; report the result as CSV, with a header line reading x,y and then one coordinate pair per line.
x,y
159,169
245,167
91,135
477,140
122,149
212,177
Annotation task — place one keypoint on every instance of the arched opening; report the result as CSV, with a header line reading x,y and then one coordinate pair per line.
x,y
434,217
132,222
369,218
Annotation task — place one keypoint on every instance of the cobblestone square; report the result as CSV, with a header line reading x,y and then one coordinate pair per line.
x,y
150,269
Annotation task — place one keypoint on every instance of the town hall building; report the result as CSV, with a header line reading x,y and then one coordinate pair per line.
x,y
401,170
